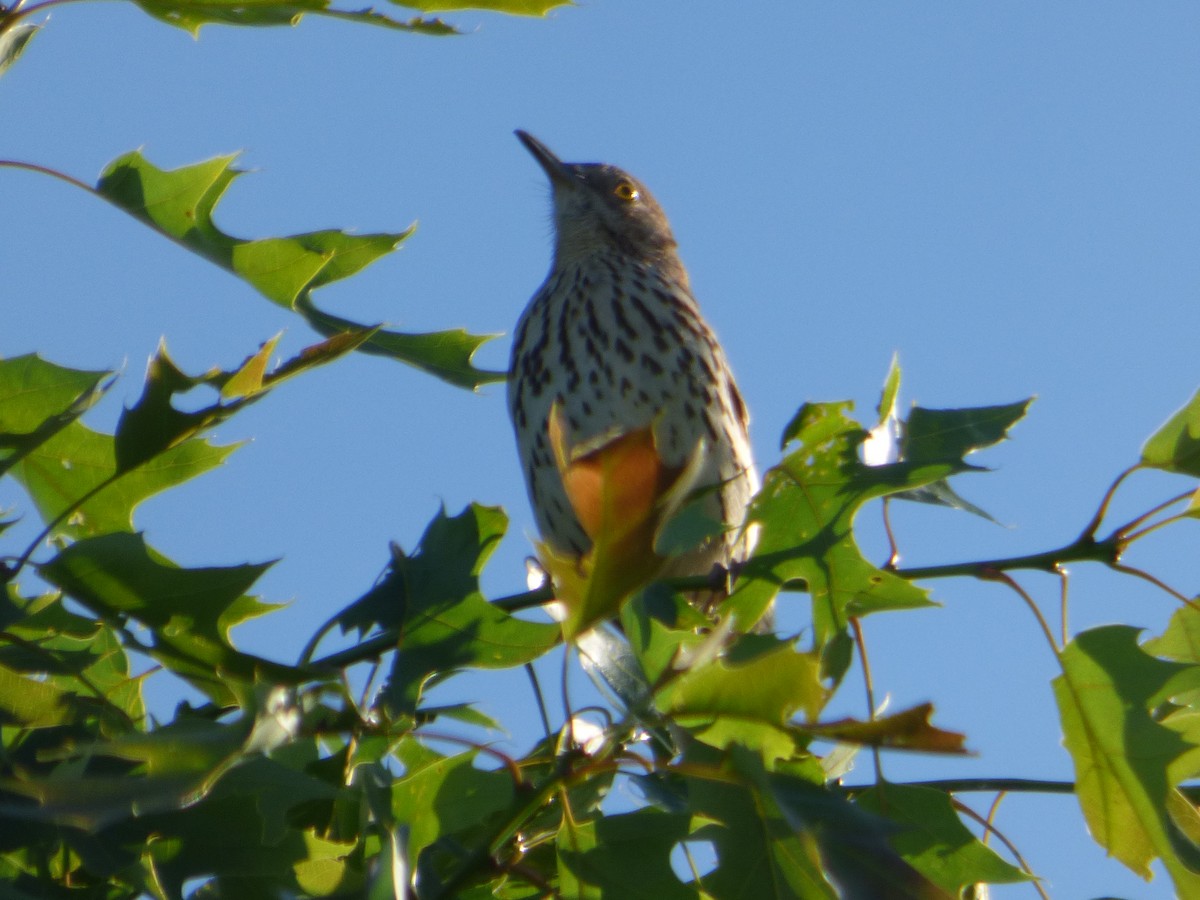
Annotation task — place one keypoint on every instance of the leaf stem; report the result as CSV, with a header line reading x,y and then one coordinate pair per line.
x,y
34,167
1094,525
1007,579
1146,576
869,685
1150,529
1125,530
990,828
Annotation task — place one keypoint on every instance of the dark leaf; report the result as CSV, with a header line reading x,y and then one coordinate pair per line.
x,y
190,611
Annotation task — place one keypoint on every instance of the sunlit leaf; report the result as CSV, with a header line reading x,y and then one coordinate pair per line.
x,y
180,204
154,425
760,679
13,42
77,461
429,800
759,853
192,14
1176,445
515,7
806,511
934,840
1121,754
38,399
80,659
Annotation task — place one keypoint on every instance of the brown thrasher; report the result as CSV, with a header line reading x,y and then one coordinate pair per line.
x,y
613,350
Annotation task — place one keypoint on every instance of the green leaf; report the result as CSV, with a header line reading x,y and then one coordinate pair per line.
x,y
190,611
1121,754
13,42
446,798
806,511
854,844
192,14
759,853
1175,447
180,204
514,7
39,399
777,834
761,679
941,494
431,599
934,841
169,768
622,855
31,703
76,471
1181,640
153,425
446,354
77,657
891,391
948,435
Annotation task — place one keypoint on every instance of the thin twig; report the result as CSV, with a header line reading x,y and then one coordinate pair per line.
x,y
1124,530
1009,845
1150,529
869,684
1094,525
34,167
893,559
1007,579
541,701
1146,576
993,810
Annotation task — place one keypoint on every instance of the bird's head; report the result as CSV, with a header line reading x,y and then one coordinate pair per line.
x,y
599,207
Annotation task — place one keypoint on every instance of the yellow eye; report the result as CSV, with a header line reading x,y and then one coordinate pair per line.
x,y
626,191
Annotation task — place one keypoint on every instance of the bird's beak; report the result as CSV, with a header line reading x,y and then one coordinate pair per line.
x,y
554,167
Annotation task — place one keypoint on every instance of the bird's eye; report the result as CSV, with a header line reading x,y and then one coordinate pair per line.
x,y
626,191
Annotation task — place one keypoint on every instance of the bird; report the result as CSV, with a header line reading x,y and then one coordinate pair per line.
x,y
612,348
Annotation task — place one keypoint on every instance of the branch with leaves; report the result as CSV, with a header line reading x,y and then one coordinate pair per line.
x,y
285,781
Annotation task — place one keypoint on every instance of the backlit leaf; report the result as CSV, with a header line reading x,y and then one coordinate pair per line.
x,y
180,204
38,399
934,840
1175,447
1121,754
77,461
806,510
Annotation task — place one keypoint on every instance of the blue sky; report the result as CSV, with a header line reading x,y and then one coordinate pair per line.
x,y
1007,195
